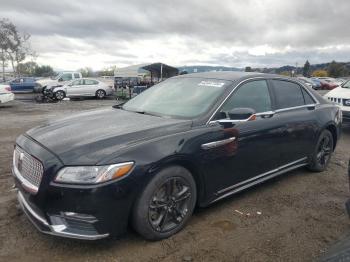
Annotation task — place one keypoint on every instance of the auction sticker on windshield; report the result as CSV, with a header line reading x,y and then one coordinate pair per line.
x,y
211,83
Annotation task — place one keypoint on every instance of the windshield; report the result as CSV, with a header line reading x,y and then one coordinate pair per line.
x,y
346,84
55,76
178,97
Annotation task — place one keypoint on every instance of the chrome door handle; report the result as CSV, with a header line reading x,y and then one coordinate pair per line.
x,y
217,143
266,114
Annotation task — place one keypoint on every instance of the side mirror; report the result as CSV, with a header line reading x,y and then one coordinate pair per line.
x,y
242,114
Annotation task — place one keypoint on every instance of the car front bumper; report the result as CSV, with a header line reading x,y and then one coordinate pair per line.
x,y
79,213
346,116
59,225
6,97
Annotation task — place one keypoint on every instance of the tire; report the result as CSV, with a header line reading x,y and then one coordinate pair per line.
x,y
59,95
322,153
100,94
176,194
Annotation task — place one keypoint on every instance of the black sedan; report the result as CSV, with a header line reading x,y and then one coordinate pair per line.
x,y
188,141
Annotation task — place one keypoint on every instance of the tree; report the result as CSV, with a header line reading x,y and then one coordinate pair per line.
x,y
319,73
14,46
86,72
306,69
5,30
335,69
27,68
248,69
285,73
44,71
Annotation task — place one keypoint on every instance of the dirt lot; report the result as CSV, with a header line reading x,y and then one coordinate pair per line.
x,y
302,213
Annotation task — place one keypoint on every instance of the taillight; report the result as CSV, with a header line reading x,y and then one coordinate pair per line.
x,y
8,88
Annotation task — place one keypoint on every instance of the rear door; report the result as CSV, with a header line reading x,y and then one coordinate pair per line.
x,y
295,108
90,87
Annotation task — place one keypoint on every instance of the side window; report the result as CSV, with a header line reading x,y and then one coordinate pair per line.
x,y
254,94
288,94
76,75
346,84
76,83
66,77
308,99
90,82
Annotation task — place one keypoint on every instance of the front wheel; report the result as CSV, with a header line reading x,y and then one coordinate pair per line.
x,y
59,95
323,152
166,203
100,93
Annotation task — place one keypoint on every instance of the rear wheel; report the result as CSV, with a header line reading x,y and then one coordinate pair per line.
x,y
59,95
323,152
166,203
100,93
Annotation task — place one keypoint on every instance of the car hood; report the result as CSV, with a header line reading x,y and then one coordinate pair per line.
x,y
46,81
91,137
339,92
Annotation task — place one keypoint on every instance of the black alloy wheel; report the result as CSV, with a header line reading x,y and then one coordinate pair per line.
x,y
166,203
169,204
323,153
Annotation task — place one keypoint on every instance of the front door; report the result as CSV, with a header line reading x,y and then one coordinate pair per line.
x,y
74,88
254,147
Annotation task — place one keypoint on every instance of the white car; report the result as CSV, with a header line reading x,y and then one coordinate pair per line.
x,y
85,87
5,94
341,96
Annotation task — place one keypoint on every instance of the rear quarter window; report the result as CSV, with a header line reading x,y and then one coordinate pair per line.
x,y
307,97
288,94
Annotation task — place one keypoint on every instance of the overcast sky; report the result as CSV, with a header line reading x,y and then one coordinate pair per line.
x,y
70,34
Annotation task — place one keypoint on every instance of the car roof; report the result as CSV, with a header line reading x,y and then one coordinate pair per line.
x,y
232,75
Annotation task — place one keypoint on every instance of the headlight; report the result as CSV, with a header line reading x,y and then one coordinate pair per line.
x,y
93,174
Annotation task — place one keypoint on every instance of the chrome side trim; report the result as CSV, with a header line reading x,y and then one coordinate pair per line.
x,y
56,230
257,182
295,107
217,143
266,113
271,113
262,175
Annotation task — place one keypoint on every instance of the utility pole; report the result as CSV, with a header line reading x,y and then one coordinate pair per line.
x,y
3,64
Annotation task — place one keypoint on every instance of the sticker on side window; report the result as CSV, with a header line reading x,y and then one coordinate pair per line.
x,y
211,83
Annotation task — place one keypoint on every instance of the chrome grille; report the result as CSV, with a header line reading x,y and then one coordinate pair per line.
x,y
27,169
335,100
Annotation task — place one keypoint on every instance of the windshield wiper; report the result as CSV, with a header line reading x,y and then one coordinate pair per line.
x,y
119,106
147,113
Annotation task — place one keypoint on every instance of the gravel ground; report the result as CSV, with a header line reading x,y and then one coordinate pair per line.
x,y
300,214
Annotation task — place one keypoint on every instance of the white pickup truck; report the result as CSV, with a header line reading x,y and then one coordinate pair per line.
x,y
58,80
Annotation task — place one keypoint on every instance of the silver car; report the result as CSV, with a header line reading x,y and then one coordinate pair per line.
x,y
83,87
